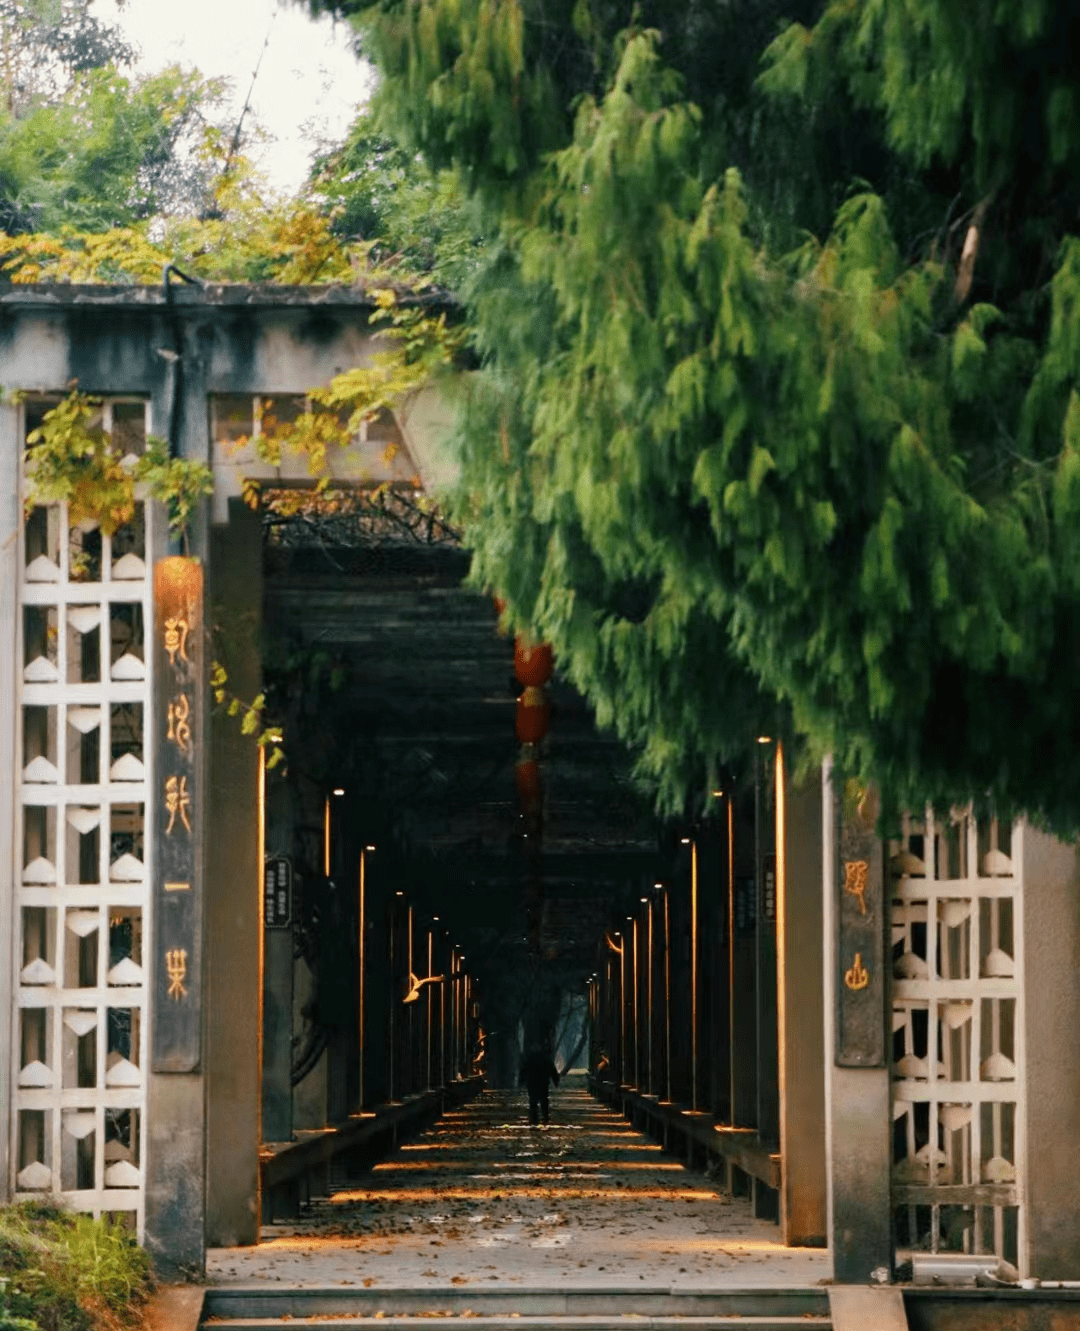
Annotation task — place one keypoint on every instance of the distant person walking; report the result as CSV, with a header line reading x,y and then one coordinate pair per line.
x,y
537,1071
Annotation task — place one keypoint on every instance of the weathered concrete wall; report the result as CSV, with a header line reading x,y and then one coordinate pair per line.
x,y
230,340
1003,1310
126,340
175,1174
1050,949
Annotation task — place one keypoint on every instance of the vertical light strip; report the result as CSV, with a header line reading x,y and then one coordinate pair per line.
x,y
465,1028
392,1004
410,1020
667,993
649,1000
623,1051
360,988
442,1018
260,860
430,1004
453,1015
693,976
611,1033
326,838
780,845
731,953
637,1028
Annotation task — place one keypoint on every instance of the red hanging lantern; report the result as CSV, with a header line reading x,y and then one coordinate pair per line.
x,y
531,720
527,780
533,662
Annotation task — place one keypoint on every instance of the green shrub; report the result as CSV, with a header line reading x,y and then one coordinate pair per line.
x,y
64,1272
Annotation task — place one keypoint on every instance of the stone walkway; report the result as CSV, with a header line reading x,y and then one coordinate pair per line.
x,y
482,1197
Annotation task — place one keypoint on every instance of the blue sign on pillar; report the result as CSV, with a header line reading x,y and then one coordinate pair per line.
x,y
176,986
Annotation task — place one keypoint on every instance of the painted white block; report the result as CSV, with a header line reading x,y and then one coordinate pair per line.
x,y
129,667
35,1177
127,869
127,768
36,1076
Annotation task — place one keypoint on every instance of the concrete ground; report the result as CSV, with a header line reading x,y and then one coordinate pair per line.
x,y
481,1197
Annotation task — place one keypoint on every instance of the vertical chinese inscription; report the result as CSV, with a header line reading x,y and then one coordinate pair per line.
x,y
178,657
860,934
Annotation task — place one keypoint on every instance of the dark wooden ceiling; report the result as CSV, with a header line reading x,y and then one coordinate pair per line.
x,y
420,730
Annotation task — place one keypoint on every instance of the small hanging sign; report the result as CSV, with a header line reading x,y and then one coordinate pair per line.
x,y
277,892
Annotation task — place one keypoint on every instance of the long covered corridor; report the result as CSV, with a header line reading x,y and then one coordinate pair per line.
x,y
482,1198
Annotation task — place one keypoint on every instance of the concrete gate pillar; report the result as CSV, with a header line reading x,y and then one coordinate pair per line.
x,y
233,914
858,1101
1049,966
801,1015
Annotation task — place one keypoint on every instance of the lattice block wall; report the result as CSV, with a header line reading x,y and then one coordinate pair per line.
x,y
79,1043
956,1017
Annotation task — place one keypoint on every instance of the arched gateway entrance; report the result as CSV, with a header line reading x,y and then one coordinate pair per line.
x,y
228,980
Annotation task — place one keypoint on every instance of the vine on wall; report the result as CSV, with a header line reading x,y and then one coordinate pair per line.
x,y
73,459
416,343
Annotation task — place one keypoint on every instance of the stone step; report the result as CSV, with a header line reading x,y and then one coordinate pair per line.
x,y
587,1309
345,1322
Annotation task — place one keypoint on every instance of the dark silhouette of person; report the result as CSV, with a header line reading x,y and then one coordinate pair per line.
x,y
537,1070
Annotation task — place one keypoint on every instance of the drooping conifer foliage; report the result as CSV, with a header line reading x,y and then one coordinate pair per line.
x,y
778,424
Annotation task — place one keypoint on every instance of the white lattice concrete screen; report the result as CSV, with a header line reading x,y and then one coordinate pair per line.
x,y
82,878
957,898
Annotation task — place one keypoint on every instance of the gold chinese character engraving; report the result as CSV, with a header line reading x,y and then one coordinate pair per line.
x,y
176,970
176,636
856,873
857,977
179,729
177,801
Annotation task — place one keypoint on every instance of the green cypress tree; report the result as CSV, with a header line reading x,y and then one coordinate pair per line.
x,y
778,423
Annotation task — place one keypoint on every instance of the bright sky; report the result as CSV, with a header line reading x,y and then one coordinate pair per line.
x,y
309,82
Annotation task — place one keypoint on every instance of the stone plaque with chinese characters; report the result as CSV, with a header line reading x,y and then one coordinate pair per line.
x,y
860,934
176,1027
